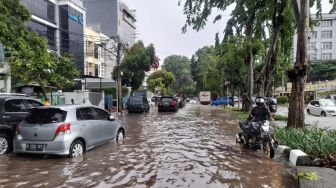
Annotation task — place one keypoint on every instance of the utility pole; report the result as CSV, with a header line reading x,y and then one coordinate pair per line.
x,y
119,95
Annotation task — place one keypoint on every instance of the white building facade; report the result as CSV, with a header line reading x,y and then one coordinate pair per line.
x,y
322,39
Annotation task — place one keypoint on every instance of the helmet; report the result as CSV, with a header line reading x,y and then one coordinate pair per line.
x,y
259,101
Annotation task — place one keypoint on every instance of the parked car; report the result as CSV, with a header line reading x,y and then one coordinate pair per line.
x,y
13,109
331,97
188,99
67,130
193,101
322,107
168,103
137,104
223,101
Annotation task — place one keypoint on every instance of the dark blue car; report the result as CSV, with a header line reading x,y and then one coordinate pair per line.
x,y
223,101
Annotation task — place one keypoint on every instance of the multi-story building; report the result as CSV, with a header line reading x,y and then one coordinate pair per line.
x,y
113,18
322,40
62,22
93,53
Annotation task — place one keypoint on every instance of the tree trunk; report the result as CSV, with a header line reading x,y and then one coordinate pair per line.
x,y
271,60
250,81
298,74
249,62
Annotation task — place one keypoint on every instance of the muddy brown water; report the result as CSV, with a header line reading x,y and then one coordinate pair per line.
x,y
194,147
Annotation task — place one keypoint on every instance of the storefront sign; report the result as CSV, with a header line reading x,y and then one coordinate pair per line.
x,y
78,19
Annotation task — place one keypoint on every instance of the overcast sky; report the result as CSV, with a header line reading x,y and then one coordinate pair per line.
x,y
160,22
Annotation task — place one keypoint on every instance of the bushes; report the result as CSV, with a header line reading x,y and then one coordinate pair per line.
x,y
282,99
314,141
280,117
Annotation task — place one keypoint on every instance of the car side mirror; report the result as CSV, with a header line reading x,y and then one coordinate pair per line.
x,y
111,118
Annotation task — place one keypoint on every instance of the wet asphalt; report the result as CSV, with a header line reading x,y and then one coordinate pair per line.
x,y
194,147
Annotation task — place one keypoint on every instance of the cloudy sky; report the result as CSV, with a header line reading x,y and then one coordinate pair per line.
x,y
160,22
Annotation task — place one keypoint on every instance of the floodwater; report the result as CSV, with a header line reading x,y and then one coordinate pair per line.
x,y
321,122
194,147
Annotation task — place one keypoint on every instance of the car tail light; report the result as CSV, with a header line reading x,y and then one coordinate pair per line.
x,y
63,129
17,129
174,103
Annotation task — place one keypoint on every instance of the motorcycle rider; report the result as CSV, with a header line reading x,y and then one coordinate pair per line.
x,y
259,113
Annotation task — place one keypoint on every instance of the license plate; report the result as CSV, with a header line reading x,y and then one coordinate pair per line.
x,y
34,147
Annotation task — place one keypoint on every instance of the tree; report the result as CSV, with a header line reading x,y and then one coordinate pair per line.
x,y
160,81
136,63
244,19
180,67
203,66
29,58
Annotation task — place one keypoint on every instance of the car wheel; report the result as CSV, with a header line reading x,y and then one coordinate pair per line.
x,y
120,135
5,144
76,149
323,114
308,111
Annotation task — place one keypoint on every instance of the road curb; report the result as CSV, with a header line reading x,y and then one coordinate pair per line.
x,y
296,157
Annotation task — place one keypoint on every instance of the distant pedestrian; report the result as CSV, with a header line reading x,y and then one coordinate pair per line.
x,y
72,101
46,102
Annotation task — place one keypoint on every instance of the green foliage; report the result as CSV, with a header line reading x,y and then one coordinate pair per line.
x,y
160,81
241,115
180,67
314,141
28,52
312,176
137,61
277,117
322,70
282,99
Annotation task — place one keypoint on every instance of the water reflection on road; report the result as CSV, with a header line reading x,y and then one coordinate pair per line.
x,y
194,147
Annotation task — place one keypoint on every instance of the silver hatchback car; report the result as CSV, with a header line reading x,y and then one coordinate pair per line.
x,y
66,130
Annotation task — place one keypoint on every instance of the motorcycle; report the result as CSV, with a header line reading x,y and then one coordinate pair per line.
x,y
260,135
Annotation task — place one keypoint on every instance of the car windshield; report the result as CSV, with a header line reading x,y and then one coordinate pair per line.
x,y
45,116
166,99
136,100
328,103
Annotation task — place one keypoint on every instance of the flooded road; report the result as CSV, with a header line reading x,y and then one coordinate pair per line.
x,y
194,147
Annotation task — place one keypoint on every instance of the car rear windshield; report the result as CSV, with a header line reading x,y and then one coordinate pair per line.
x,y
46,115
136,100
166,99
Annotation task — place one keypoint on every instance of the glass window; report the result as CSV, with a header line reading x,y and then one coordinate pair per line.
x,y
100,114
313,34
32,104
312,57
46,116
86,114
96,49
326,56
16,105
312,45
326,45
326,23
326,34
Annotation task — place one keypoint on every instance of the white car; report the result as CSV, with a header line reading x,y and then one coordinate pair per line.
x,y
322,107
